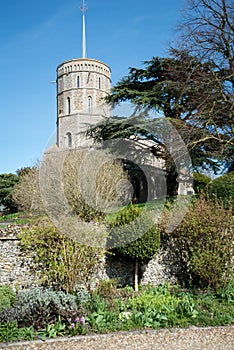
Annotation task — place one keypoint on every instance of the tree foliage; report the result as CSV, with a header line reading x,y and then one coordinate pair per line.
x,y
223,188
7,184
191,95
139,229
200,182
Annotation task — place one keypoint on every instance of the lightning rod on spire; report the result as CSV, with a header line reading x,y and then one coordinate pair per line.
x,y
83,9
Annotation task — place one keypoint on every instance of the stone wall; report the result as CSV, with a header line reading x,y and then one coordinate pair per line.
x,y
14,264
16,267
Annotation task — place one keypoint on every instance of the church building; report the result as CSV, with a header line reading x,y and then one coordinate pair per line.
x,y
82,84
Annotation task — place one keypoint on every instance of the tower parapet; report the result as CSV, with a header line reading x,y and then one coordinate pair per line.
x,y
82,85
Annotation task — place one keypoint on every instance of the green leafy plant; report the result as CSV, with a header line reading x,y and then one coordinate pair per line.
x,y
213,310
99,316
53,330
7,297
158,307
227,293
205,240
152,307
11,332
108,289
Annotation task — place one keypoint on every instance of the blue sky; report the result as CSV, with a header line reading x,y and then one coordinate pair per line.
x,y
36,36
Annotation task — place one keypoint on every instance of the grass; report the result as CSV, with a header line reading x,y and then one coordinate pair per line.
x,y
155,205
7,217
16,218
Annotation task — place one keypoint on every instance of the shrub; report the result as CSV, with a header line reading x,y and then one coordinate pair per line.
x,y
138,228
7,297
81,182
205,236
223,188
26,193
200,182
61,262
39,307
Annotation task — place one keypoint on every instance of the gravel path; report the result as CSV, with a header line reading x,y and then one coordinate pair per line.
x,y
211,338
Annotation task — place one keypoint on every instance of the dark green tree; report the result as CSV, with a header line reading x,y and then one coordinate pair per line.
x,y
7,183
200,182
223,188
177,88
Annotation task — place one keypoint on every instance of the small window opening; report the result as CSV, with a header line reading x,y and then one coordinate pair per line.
x,y
69,140
90,104
68,105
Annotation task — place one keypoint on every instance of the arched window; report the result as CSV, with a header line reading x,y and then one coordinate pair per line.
x,y
68,105
69,140
78,81
90,104
99,83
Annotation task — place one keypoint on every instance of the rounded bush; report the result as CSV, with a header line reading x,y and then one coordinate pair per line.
x,y
40,306
205,241
223,188
134,235
200,182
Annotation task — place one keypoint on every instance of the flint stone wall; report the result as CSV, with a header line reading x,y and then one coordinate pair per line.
x,y
16,267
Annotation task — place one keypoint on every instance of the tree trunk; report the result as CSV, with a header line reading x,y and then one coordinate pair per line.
x,y
171,177
136,276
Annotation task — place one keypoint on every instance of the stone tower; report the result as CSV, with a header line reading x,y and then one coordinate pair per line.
x,y
82,84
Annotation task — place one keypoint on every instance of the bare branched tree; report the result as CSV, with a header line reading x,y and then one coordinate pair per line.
x,y
86,183
208,32
26,193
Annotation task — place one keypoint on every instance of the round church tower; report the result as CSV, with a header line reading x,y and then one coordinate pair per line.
x,y
82,85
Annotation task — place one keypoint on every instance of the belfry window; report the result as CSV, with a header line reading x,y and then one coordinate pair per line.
x,y
78,81
69,140
68,105
90,104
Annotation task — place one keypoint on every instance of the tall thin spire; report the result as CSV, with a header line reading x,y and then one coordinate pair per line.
x,y
83,8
